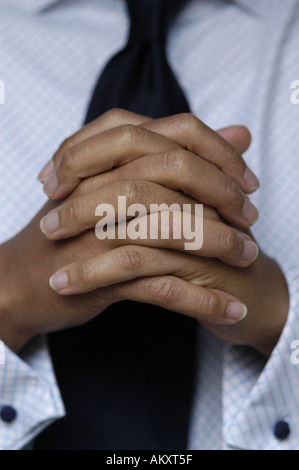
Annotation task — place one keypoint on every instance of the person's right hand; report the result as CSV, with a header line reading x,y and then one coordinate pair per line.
x,y
177,152
29,306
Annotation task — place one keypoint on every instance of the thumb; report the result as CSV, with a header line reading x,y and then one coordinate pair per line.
x,y
238,136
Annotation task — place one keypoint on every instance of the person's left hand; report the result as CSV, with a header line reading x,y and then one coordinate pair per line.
x,y
261,286
160,276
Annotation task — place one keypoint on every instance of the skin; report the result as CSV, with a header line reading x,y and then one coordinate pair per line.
x,y
149,161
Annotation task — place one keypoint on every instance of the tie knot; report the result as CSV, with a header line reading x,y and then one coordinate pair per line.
x,y
150,19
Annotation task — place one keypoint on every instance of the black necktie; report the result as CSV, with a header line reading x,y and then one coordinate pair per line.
x,y
139,77
126,377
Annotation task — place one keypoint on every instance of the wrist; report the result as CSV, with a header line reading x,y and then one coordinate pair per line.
x,y
12,332
275,306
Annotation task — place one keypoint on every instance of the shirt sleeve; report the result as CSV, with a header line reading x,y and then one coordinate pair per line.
x,y
28,386
260,395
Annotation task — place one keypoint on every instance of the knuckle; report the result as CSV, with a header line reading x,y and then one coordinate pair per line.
x,y
174,161
132,190
133,134
84,187
115,114
130,259
210,213
187,120
187,165
76,210
231,154
136,190
230,241
86,273
69,159
232,192
235,157
162,291
66,144
209,305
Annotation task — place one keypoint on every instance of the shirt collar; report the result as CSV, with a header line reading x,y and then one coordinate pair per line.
x,y
258,7
254,6
34,6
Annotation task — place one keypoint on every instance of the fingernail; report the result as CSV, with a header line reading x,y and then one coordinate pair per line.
x,y
236,311
59,281
250,251
49,223
250,212
251,179
46,171
51,184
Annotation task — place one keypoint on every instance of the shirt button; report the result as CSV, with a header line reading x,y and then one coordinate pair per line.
x,y
8,414
281,430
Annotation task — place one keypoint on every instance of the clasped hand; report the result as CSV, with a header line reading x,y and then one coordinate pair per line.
x,y
174,160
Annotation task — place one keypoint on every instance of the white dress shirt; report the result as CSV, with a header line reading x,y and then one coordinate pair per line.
x,y
235,61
